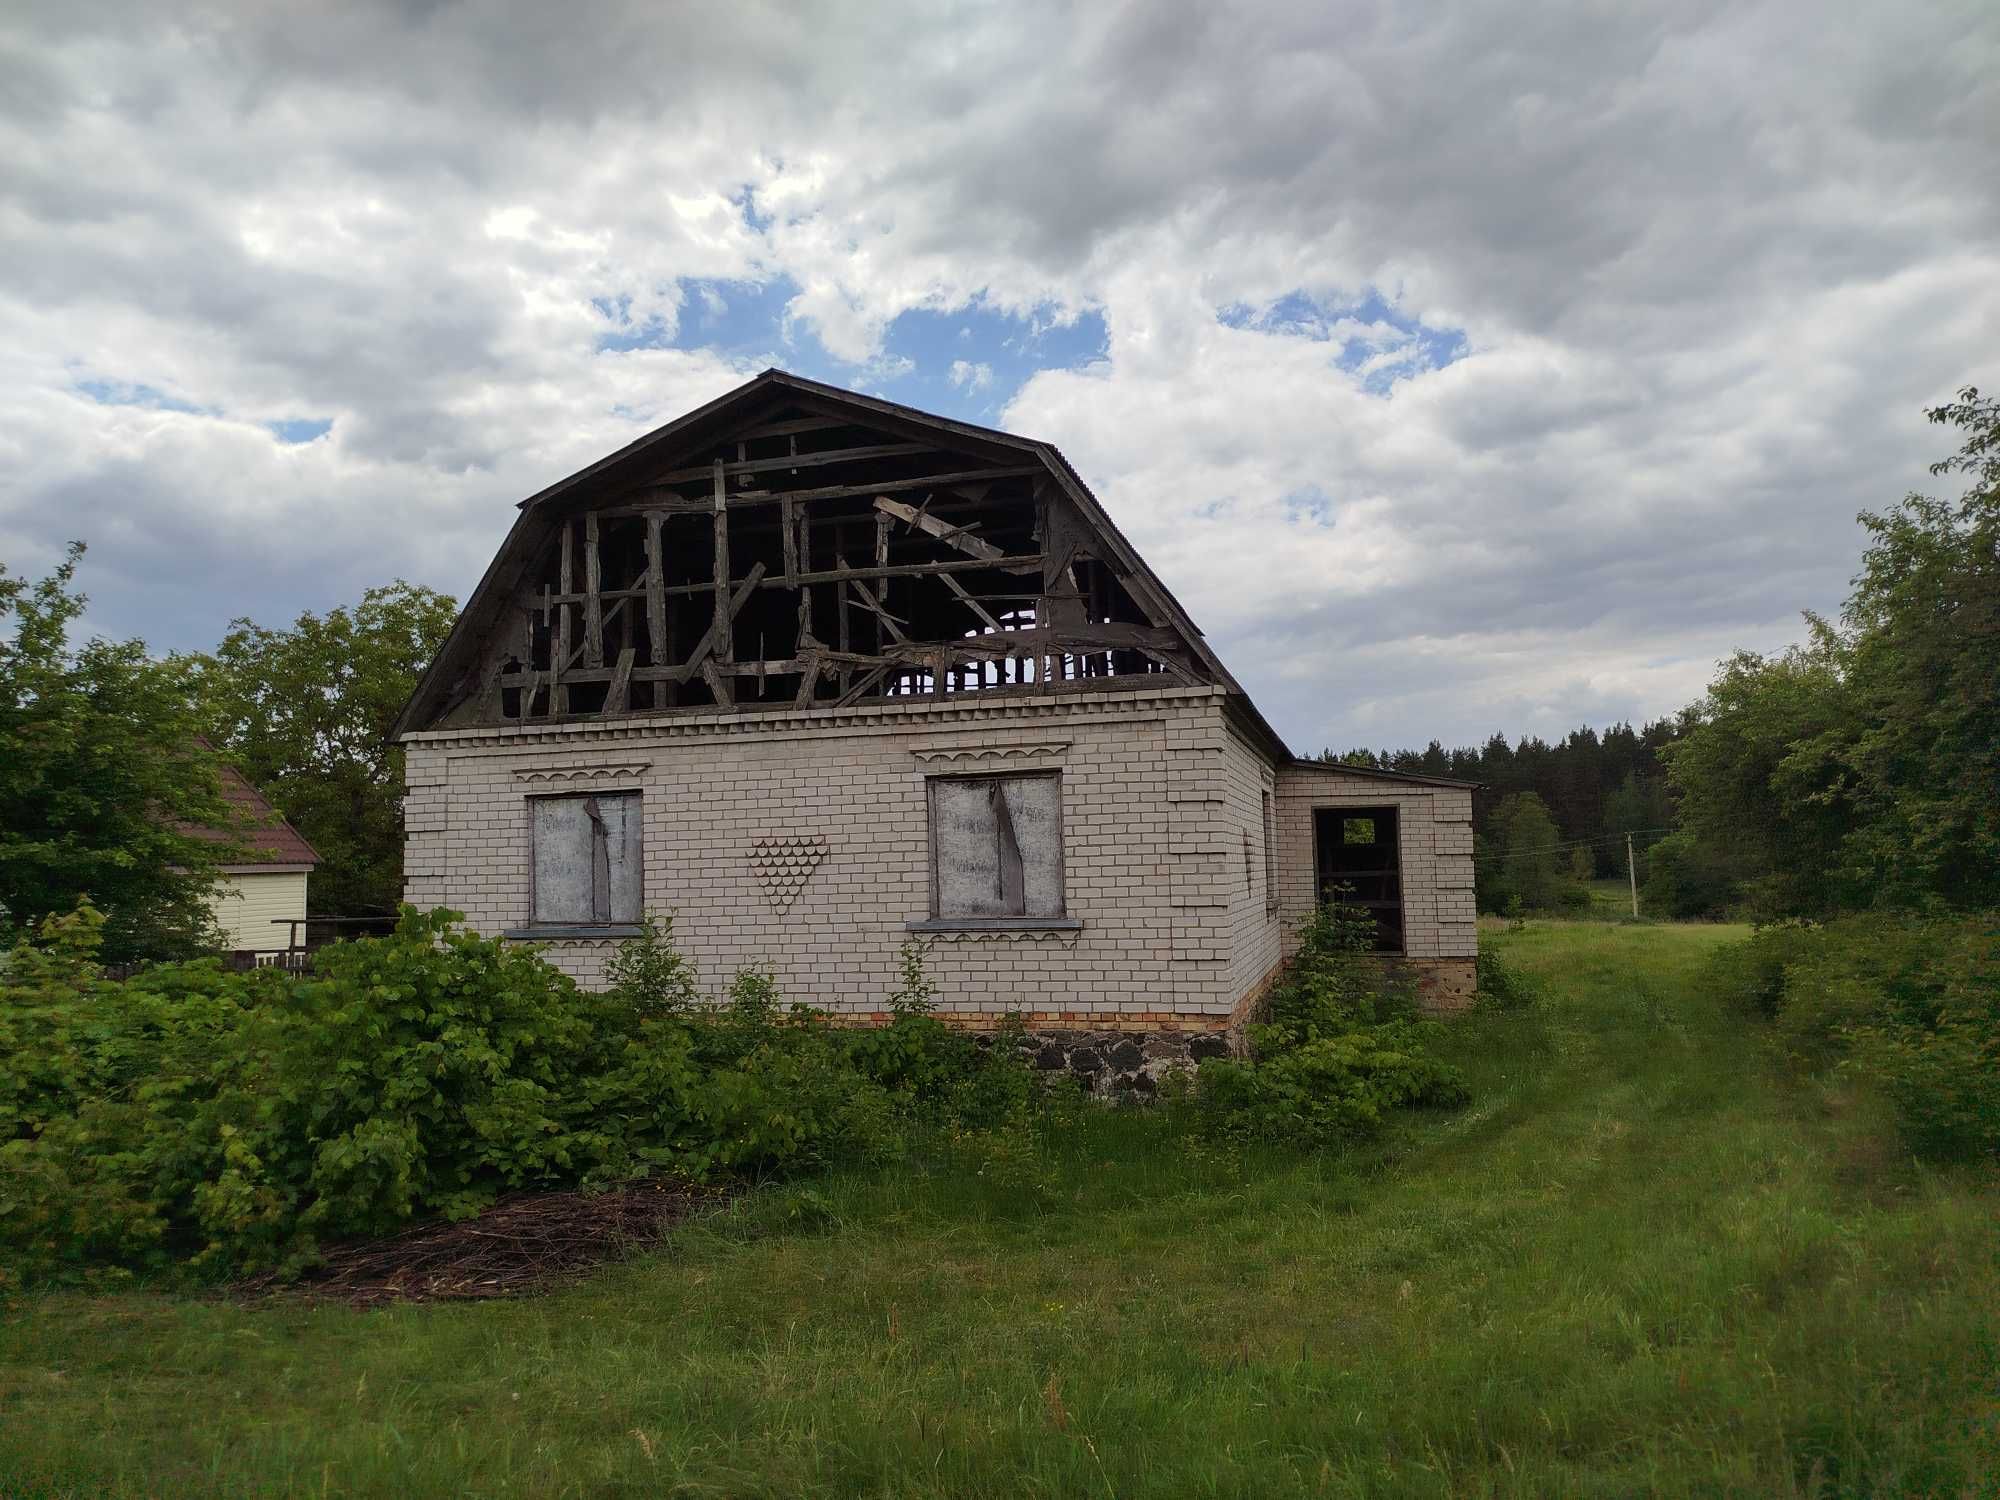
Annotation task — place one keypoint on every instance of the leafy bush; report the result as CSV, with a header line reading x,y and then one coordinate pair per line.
x,y
1341,1047
232,1120
1750,975
1689,879
1908,1005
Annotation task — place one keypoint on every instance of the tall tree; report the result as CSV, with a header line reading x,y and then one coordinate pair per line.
x,y
1919,646
1521,860
306,712
100,779
1864,768
1763,807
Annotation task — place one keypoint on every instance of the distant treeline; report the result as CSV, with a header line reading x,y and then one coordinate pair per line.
x,y
1595,788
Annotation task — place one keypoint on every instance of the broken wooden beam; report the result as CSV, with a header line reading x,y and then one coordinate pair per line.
x,y
952,536
826,456
969,602
621,677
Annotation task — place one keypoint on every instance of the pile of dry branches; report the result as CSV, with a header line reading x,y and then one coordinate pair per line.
x,y
521,1244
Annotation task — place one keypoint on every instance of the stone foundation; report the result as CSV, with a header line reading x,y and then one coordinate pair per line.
x,y
1125,1064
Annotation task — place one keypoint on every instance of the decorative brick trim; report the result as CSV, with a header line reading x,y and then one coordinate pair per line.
x,y
956,754
1064,935
581,773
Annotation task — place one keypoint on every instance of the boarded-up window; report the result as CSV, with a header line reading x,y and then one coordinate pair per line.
x,y
996,846
586,854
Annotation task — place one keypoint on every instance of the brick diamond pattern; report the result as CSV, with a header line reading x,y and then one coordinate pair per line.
x,y
784,865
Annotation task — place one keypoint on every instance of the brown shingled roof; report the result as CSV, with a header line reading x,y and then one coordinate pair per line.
x,y
257,825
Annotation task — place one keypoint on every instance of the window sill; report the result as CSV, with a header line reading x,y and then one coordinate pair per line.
x,y
557,931
995,924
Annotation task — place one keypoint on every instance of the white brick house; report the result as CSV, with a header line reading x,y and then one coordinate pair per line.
x,y
816,672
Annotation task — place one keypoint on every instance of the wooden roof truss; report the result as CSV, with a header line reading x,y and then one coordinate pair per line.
x,y
809,555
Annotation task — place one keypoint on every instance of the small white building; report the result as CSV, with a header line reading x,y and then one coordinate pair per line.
x,y
258,900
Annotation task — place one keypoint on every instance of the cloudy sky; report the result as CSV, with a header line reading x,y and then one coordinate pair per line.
x,y
1462,367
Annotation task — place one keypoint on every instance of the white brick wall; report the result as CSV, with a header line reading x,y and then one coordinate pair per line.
x,y
1435,830
1149,868
1160,793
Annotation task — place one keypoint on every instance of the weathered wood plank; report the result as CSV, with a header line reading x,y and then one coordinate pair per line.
x,y
808,679
1026,564
725,694
559,652
743,466
969,602
593,602
621,677
794,425
673,502
720,636
862,685
952,536
707,645
656,599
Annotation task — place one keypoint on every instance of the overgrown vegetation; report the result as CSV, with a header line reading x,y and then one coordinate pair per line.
x,y
222,1122
1906,1007
1639,1264
1339,1048
234,1120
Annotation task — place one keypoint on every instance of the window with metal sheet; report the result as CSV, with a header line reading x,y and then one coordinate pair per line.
x,y
587,869
996,847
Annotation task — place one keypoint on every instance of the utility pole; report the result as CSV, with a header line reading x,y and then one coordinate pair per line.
x,y
1632,874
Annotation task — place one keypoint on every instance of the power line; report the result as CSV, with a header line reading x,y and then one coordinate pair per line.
x,y
1608,838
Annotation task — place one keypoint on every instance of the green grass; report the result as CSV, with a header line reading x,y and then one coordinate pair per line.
x,y
1637,1264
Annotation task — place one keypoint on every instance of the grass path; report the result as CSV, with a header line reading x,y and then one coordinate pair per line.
x,y
1636,1265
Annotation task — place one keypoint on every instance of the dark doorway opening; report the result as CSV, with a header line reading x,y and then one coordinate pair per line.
x,y
1355,853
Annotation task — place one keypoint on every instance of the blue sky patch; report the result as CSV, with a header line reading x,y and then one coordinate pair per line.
x,y
1376,340
965,362
1309,504
299,429
124,393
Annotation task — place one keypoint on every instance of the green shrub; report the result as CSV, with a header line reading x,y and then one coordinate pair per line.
x,y
233,1120
653,976
1750,975
1908,1005
1341,1046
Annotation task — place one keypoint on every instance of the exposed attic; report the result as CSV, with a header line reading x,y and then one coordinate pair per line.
x,y
809,551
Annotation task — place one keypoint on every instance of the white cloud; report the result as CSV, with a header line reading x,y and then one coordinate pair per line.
x,y
1709,264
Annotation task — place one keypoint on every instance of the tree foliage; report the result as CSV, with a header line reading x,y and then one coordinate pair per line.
x,y
100,779
306,712
1518,859
1863,769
